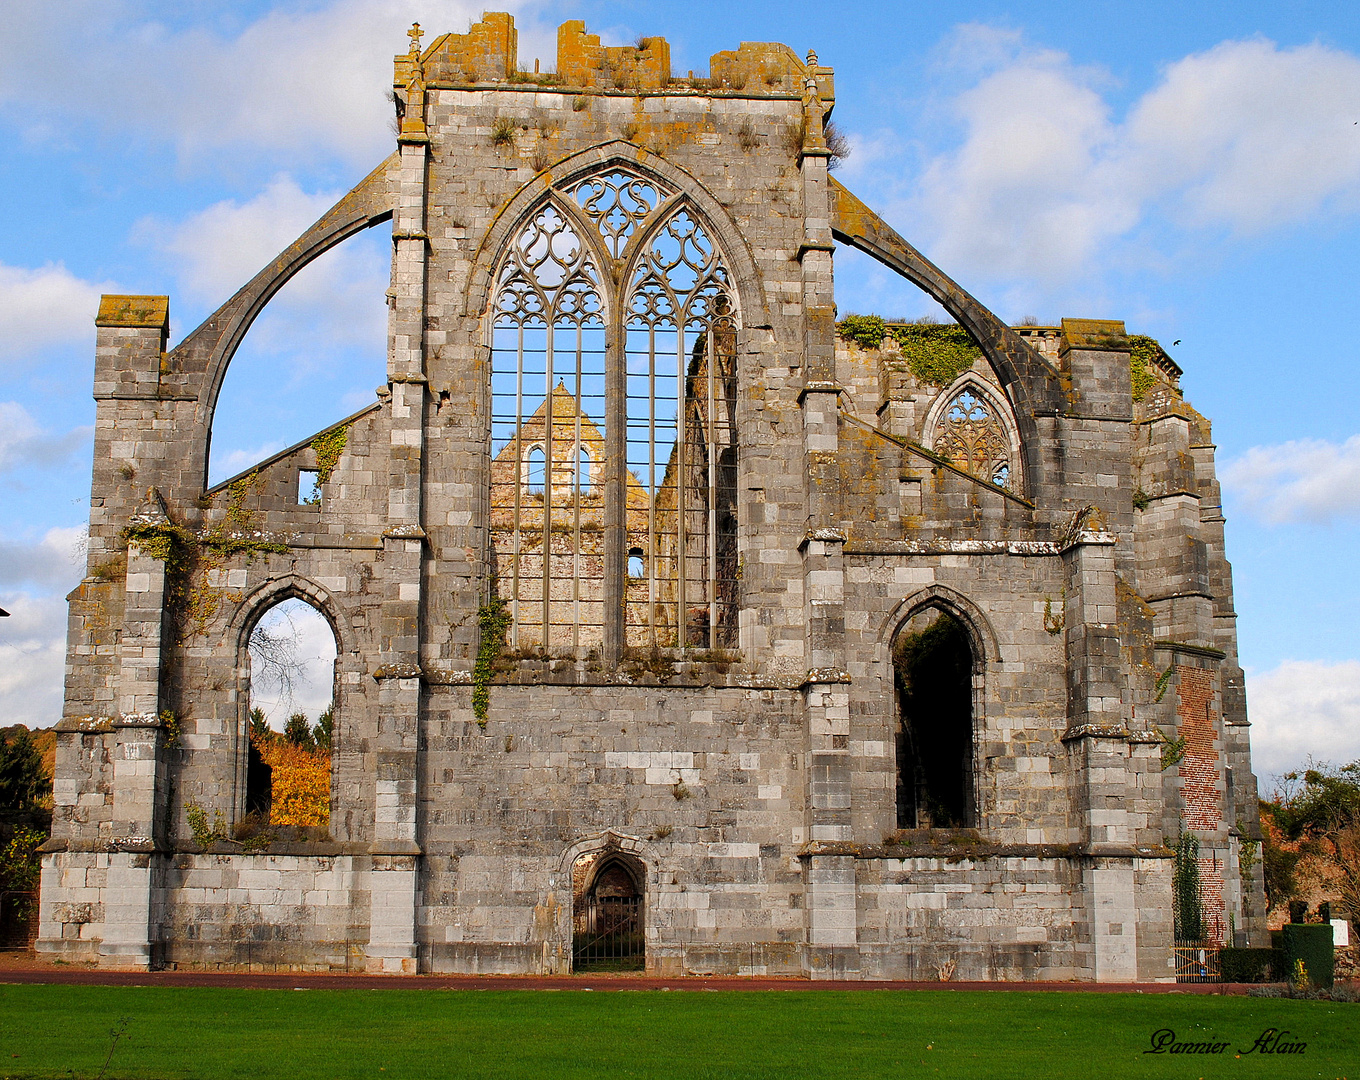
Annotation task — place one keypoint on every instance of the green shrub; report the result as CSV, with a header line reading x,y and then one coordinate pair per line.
x,y
1311,943
866,331
1247,965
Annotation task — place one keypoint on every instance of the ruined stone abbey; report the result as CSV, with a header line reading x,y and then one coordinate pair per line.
x,y
677,627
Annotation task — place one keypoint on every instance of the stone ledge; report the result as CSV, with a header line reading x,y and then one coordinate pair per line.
x,y
953,547
1096,731
974,849
1193,650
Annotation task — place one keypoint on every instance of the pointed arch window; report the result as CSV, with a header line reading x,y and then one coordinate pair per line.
x,y
547,406
970,432
633,543
680,345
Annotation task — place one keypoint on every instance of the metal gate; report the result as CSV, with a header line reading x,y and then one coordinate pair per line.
x,y
608,935
1196,961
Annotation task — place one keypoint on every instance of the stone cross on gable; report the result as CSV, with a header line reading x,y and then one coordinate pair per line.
x,y
415,34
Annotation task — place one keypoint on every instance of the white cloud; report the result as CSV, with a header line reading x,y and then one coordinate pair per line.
x,y
1252,136
32,659
23,442
1306,480
240,460
219,249
293,82
311,645
1046,181
45,307
1302,709
1025,194
57,561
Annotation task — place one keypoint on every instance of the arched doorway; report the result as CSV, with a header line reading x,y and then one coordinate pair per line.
x,y
933,663
607,914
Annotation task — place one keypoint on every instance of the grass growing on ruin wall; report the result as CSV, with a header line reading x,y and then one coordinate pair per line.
x,y
58,1031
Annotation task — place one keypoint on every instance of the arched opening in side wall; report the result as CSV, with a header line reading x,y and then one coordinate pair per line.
x,y
292,683
608,913
933,664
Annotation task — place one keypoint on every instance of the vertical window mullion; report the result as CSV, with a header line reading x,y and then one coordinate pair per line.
x,y
710,359
681,555
549,422
653,541
519,484
576,502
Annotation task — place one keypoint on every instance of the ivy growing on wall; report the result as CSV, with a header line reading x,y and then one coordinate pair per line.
x,y
1142,351
190,559
328,446
936,354
493,619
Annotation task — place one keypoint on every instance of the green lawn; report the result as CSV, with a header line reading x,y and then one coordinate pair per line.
x,y
397,1034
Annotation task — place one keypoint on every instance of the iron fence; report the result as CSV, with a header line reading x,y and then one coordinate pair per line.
x,y
608,935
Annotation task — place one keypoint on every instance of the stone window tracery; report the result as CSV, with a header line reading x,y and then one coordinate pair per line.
x,y
650,495
547,394
618,202
970,434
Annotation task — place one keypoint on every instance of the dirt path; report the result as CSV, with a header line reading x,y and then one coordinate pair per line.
x,y
24,968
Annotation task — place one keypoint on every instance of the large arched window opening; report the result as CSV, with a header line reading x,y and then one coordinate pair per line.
x,y
633,538
292,696
547,407
933,664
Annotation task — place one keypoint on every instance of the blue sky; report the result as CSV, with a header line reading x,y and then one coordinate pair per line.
x,y
1191,169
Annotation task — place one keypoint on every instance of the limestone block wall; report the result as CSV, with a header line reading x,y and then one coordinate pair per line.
x,y
268,911
754,788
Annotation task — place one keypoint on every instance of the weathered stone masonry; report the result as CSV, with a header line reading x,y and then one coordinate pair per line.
x,y
720,718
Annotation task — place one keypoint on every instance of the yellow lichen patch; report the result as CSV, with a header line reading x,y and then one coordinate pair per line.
x,y
133,311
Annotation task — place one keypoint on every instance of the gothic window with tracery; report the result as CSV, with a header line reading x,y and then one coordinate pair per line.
x,y
666,473
681,356
970,434
547,413
618,202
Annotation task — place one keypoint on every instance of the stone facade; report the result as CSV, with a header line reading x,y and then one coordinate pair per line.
x,y
1053,494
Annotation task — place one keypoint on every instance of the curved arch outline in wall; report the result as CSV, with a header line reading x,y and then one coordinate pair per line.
x,y
607,841
1001,407
981,633
206,352
748,294
253,606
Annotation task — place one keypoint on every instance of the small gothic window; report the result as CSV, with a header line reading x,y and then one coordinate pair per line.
x,y
970,435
